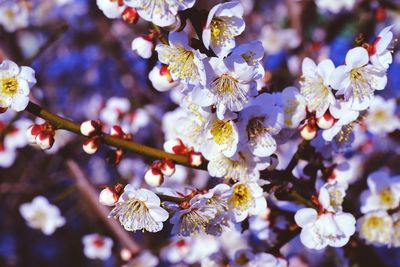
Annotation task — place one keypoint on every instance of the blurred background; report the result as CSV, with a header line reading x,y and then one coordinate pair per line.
x,y
83,60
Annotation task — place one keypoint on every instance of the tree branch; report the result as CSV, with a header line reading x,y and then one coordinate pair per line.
x,y
65,124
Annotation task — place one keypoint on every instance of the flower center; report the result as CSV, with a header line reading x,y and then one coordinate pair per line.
x,y
241,197
9,86
387,198
255,127
221,131
315,92
225,84
98,242
221,30
181,64
380,115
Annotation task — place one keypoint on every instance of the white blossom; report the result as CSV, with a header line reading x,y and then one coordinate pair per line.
x,y
383,193
15,85
357,80
96,246
224,22
161,13
326,229
257,126
184,63
139,209
231,83
315,85
335,6
247,199
13,15
40,214
375,227
193,219
379,54
381,118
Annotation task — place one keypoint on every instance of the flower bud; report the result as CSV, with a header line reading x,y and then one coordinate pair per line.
x,y
32,132
90,128
91,145
107,197
161,79
167,167
44,140
117,131
326,121
308,132
195,159
153,177
130,15
173,146
143,46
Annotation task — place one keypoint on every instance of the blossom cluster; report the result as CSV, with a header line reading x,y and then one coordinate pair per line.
x,y
245,162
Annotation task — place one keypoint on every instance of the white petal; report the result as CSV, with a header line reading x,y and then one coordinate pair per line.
x,y
309,67
19,103
338,77
357,57
346,223
159,214
325,69
305,216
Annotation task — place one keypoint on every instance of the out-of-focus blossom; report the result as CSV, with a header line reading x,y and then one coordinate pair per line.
x,y
248,259
96,246
13,15
375,227
144,259
335,6
381,118
15,85
40,214
276,40
383,193
190,249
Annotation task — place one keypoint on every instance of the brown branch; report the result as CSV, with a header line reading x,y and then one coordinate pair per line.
x,y
90,195
65,124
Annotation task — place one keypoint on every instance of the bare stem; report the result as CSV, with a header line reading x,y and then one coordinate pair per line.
x,y
65,124
91,197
